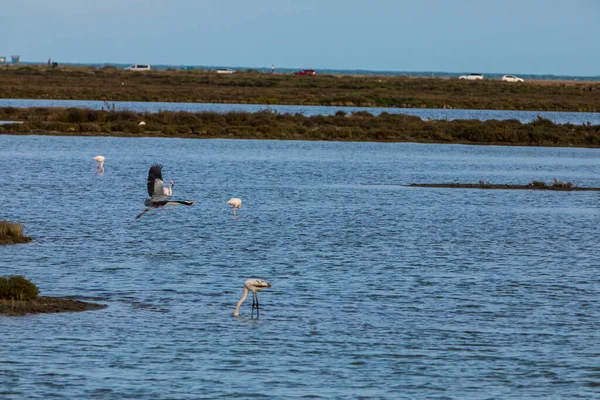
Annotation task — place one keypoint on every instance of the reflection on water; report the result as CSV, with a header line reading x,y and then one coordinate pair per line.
x,y
379,290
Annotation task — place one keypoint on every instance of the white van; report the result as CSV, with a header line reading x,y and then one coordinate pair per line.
x,y
139,67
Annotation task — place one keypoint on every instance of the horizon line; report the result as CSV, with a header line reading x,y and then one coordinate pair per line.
x,y
338,70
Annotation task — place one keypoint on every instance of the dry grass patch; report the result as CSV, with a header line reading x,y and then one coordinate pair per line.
x,y
12,233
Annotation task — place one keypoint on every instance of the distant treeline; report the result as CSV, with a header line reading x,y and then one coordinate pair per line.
x,y
251,87
358,126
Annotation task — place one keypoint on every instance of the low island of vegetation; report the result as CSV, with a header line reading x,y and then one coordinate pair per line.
x,y
19,296
557,185
359,126
12,233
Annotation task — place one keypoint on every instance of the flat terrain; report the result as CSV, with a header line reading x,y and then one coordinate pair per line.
x,y
250,87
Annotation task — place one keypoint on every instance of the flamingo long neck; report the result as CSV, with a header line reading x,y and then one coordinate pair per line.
x,y
239,303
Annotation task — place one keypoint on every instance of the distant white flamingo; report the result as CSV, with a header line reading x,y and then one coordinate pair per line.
x,y
168,190
235,203
255,285
156,191
99,162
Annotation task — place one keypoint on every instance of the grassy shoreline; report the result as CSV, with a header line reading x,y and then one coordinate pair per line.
x,y
359,126
248,87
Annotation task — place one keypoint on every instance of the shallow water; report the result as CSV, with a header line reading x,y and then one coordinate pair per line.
x,y
560,117
379,290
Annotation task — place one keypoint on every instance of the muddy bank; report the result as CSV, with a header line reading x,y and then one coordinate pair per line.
x,y
504,186
46,305
10,239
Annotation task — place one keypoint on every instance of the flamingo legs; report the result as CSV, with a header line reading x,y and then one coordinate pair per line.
x,y
255,304
257,308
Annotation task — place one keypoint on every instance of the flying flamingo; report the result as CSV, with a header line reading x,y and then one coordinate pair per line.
x,y
156,191
99,162
255,285
168,190
235,203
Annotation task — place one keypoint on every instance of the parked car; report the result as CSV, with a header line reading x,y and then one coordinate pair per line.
x,y
139,67
512,78
309,72
225,71
471,77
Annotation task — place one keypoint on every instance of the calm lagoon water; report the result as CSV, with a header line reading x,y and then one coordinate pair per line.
x,y
379,290
424,113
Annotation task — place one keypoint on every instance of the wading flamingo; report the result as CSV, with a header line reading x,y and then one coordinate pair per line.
x,y
99,162
168,190
235,203
255,285
155,191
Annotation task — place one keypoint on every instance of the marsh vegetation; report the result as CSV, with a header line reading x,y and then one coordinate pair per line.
x,y
358,126
557,185
251,87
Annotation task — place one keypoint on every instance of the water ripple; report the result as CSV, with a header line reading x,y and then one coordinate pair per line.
x,y
379,290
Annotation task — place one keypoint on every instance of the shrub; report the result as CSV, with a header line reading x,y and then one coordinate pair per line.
x,y
21,128
132,127
16,287
76,115
543,122
169,130
362,114
126,127
92,127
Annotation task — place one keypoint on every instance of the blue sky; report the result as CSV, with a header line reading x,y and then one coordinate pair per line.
x,y
529,36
